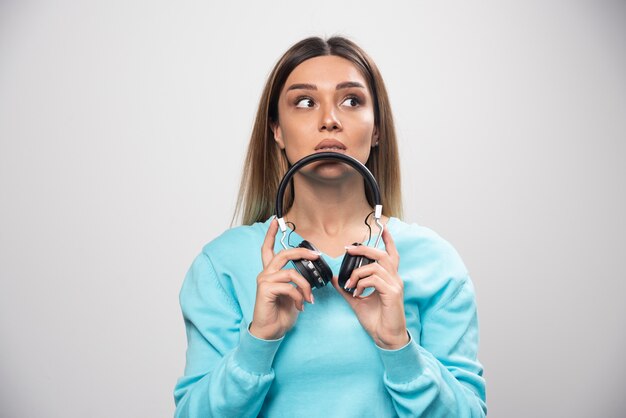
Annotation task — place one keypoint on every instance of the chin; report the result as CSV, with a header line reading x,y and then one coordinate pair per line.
x,y
331,170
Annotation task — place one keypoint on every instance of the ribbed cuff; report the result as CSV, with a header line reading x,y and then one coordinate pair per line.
x,y
404,364
255,354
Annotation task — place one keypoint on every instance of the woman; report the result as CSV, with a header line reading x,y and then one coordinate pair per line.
x,y
261,341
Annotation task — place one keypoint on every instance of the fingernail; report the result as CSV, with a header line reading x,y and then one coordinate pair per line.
x,y
349,247
316,252
354,293
312,299
345,286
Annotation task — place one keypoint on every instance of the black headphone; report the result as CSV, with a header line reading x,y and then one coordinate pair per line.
x,y
317,272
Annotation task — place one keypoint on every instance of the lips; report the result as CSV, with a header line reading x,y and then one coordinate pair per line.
x,y
330,145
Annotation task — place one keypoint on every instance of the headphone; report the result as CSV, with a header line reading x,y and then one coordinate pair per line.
x,y
317,272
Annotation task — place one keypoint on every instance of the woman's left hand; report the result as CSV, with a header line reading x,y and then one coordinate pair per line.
x,y
381,313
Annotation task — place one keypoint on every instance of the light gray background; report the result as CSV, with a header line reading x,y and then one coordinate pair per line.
x,y
123,126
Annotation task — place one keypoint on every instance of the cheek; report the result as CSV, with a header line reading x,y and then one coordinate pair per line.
x,y
297,131
364,125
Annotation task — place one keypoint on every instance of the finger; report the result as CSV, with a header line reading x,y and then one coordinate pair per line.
x,y
375,254
347,296
285,289
267,249
368,270
374,281
291,275
279,261
390,247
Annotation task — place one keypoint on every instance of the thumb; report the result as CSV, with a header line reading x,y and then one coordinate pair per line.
x,y
347,296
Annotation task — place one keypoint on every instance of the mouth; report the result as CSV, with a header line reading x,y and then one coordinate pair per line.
x,y
330,145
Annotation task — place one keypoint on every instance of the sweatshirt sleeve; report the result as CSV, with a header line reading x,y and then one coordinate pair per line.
x,y
228,371
440,375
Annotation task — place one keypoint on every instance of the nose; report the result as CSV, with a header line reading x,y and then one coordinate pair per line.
x,y
329,120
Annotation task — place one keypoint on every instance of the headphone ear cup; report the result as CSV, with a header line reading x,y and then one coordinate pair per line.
x,y
349,263
347,266
316,272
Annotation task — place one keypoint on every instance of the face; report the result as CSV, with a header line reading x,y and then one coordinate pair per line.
x,y
325,105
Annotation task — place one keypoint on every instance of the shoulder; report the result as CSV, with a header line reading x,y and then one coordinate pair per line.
x,y
235,252
428,258
237,240
425,245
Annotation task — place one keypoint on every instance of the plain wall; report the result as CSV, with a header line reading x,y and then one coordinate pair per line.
x,y
123,127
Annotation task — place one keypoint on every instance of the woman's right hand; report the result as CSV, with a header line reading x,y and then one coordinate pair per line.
x,y
278,302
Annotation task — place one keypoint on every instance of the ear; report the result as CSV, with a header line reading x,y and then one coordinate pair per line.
x,y
278,134
375,137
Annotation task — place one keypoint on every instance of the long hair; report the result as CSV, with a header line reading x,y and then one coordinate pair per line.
x,y
266,164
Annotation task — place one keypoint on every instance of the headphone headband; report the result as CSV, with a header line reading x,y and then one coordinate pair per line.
x,y
356,164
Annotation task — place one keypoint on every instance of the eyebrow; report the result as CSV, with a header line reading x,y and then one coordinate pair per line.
x,y
344,85
349,84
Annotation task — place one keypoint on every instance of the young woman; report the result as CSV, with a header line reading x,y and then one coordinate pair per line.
x,y
261,340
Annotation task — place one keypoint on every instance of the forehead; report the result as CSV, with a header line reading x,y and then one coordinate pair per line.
x,y
325,70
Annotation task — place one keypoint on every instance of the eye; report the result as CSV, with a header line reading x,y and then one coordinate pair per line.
x,y
351,101
305,102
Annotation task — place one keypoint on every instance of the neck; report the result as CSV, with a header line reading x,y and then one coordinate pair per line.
x,y
329,207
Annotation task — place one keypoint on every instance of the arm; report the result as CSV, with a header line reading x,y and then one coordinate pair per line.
x,y
435,374
440,376
225,374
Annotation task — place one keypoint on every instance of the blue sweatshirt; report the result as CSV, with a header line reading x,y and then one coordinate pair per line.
x,y
327,365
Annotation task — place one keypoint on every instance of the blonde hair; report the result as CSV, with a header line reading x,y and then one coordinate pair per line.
x,y
266,164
